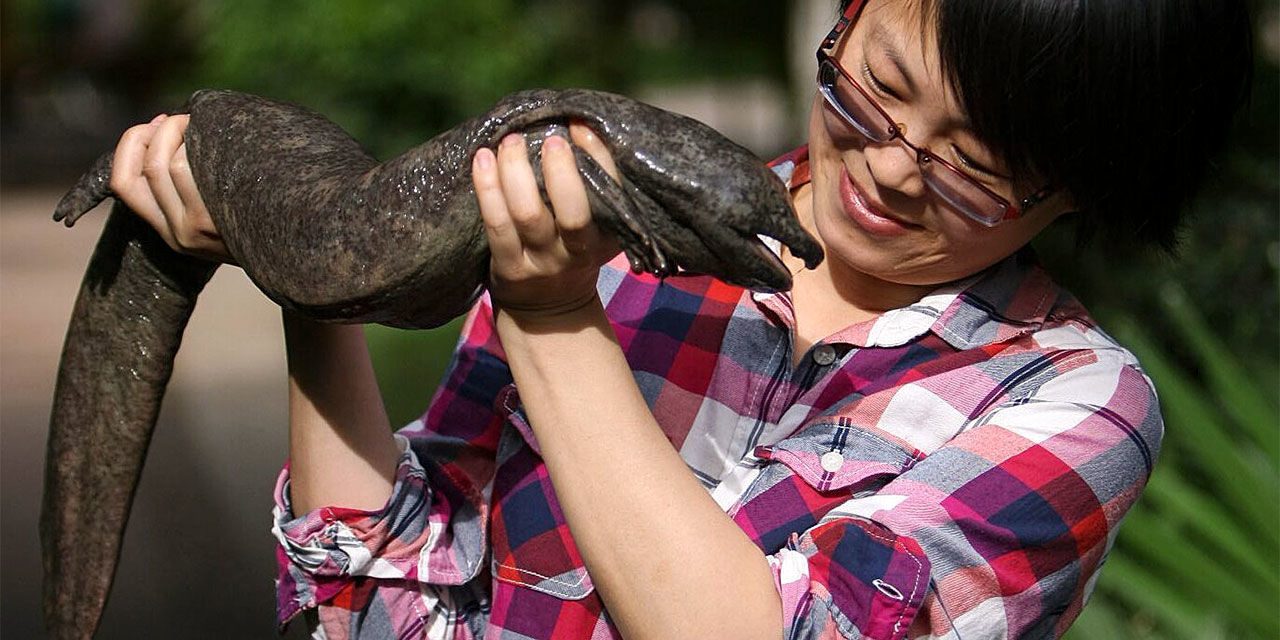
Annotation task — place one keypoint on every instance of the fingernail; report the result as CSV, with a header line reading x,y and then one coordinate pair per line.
x,y
511,139
555,142
484,158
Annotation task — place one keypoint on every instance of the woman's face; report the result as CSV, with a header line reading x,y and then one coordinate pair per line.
x,y
871,207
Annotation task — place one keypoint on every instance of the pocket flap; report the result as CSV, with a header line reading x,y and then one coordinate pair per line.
x,y
841,456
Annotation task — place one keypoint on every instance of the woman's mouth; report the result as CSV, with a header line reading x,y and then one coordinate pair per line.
x,y
867,217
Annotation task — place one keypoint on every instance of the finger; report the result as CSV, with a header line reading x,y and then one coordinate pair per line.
x,y
188,192
524,201
185,184
568,196
127,181
504,240
585,137
155,167
207,238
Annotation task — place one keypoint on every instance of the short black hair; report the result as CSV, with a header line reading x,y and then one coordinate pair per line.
x,y
1121,103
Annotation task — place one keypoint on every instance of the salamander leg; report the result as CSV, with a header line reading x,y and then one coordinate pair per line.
x,y
614,209
92,188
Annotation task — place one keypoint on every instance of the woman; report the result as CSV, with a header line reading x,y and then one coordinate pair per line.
x,y
925,437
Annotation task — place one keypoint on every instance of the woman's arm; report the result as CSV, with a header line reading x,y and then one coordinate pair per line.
x,y
666,559
341,446
341,450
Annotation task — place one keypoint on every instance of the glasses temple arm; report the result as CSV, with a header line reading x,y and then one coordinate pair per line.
x,y
846,18
1035,198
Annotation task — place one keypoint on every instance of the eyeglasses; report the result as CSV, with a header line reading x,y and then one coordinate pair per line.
x,y
863,113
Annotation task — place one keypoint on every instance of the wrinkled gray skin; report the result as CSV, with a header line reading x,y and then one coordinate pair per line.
x,y
325,230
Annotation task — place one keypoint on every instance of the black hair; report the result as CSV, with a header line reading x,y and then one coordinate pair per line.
x,y
1121,103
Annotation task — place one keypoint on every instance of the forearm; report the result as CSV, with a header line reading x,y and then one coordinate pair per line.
x,y
667,560
341,449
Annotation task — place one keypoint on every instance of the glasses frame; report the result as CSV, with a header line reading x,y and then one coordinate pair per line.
x,y
894,130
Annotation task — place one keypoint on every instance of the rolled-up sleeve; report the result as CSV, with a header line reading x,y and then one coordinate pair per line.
x,y
319,550
434,526
1000,533
850,575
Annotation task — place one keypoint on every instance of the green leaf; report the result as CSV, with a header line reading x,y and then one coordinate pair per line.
x,y
1196,569
1175,611
1100,619
1191,508
1228,380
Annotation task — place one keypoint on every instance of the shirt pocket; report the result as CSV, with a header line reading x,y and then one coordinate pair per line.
x,y
530,539
812,472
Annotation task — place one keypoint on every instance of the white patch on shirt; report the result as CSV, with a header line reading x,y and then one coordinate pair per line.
x,y
1061,403
361,559
900,326
1039,421
318,633
793,566
734,484
986,620
920,417
716,430
435,626
380,568
865,507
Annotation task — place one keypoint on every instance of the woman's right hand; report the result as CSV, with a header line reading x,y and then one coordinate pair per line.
x,y
151,175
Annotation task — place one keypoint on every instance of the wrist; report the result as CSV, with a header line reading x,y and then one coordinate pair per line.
x,y
549,313
547,296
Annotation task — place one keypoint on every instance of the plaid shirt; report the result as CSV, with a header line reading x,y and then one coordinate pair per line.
x,y
958,465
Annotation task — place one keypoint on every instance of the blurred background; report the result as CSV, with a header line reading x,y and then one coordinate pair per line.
x,y
1199,557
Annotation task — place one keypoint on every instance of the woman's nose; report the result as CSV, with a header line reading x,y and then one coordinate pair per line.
x,y
893,166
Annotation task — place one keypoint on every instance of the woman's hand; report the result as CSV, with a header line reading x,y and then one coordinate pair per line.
x,y
150,174
544,261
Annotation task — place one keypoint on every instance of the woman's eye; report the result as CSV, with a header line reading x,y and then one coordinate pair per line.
x,y
875,83
969,163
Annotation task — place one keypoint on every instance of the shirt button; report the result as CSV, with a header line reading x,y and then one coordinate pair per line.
x,y
824,354
831,461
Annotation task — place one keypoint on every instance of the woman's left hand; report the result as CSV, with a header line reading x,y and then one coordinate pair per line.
x,y
544,262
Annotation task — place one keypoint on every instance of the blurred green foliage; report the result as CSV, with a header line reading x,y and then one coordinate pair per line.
x,y
409,366
394,73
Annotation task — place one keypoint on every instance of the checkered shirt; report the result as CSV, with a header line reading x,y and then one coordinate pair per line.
x,y
956,468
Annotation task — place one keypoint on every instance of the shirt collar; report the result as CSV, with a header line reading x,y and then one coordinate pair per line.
x,y
1010,298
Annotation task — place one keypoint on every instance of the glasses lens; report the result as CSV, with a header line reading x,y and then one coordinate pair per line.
x,y
962,194
842,94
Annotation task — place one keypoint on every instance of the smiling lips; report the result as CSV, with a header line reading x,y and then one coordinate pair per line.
x,y
867,217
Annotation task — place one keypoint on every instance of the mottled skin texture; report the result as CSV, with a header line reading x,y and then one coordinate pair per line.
x,y
325,230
